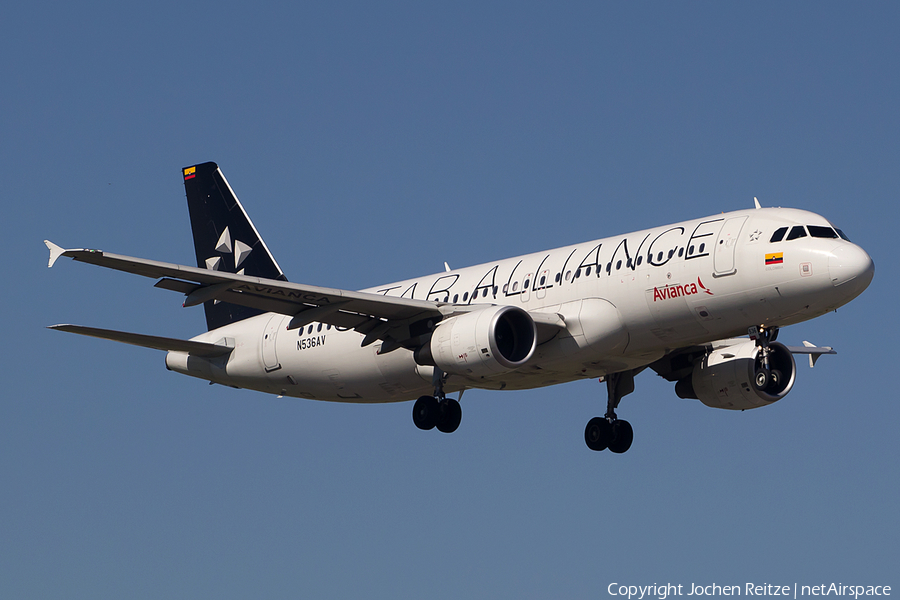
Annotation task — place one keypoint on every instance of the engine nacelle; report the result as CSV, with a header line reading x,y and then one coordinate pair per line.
x,y
490,341
726,377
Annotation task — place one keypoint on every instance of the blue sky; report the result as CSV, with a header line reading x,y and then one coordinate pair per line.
x,y
370,143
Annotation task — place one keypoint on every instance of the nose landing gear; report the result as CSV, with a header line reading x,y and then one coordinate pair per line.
x,y
765,377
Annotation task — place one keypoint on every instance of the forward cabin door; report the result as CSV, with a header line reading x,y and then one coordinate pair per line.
x,y
723,257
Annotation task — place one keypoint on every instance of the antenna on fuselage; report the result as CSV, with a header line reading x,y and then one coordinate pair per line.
x,y
756,202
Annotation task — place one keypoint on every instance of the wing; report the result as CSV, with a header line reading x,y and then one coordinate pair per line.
x,y
399,322
679,363
814,352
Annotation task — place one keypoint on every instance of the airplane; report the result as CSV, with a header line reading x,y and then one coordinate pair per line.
x,y
678,299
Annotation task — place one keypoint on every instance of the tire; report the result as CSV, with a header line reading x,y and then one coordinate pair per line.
x,y
775,381
598,434
761,379
623,435
426,412
450,416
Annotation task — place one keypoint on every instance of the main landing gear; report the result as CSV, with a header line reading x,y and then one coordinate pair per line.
x,y
765,376
438,410
609,431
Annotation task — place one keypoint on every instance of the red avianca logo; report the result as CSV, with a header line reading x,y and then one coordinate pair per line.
x,y
676,291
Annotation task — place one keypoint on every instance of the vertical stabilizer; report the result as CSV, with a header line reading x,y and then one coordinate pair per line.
x,y
224,238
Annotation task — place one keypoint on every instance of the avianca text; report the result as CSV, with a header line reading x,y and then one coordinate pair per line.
x,y
676,291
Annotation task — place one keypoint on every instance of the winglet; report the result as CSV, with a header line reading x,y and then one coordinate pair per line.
x,y
55,252
814,356
756,202
812,350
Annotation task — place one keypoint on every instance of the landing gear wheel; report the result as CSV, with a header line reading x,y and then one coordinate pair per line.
x,y
761,379
598,434
426,412
775,379
623,435
449,415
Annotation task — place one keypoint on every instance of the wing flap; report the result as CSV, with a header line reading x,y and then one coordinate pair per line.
x,y
202,349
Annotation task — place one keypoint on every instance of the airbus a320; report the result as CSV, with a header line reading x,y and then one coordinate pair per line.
x,y
699,302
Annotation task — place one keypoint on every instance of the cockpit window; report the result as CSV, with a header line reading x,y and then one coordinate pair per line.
x,y
818,231
843,235
779,234
796,232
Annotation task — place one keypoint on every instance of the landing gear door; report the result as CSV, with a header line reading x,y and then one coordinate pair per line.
x,y
723,257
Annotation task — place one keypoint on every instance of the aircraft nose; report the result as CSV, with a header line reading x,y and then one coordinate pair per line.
x,y
849,264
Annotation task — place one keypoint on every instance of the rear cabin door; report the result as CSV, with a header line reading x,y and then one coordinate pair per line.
x,y
270,358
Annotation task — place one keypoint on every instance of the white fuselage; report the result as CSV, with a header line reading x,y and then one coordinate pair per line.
x,y
626,301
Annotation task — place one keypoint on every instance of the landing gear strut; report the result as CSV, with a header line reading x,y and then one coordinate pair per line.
x,y
609,431
438,410
765,376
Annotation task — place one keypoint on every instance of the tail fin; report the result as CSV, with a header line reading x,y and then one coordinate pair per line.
x,y
224,238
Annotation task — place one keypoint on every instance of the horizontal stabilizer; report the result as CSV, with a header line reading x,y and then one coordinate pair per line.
x,y
202,349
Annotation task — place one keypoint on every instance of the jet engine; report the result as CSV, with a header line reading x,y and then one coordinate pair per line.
x,y
485,342
733,377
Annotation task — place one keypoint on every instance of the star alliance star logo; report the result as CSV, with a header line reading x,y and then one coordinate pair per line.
x,y
755,235
225,245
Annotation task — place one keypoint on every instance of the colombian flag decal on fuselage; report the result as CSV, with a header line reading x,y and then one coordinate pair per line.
x,y
775,259
190,173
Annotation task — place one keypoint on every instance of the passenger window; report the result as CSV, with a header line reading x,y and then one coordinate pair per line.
x,y
319,328
680,252
817,231
618,265
543,279
515,285
455,298
484,293
640,259
796,232
778,235
568,275
465,296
